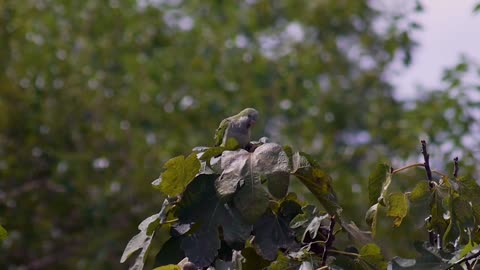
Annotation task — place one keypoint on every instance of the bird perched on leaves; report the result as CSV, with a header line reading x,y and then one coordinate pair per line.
x,y
236,127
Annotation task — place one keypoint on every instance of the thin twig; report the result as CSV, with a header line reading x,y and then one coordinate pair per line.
x,y
329,241
455,167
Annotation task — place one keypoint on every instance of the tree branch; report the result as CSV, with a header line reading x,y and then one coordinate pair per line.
x,y
426,158
455,167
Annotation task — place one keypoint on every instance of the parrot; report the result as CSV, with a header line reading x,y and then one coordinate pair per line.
x,y
237,127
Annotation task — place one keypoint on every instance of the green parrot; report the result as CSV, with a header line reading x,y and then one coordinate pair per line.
x,y
237,127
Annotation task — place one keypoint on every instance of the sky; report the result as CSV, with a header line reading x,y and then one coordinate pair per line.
x,y
450,29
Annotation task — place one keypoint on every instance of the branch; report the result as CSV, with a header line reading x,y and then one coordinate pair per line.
x,y
455,167
426,158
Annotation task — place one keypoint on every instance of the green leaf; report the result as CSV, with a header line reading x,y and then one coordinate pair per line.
x,y
169,267
3,233
371,218
372,256
317,181
378,182
201,206
283,262
137,242
272,233
253,261
201,247
179,171
397,207
421,191
278,184
252,201
243,174
269,161
314,226
148,250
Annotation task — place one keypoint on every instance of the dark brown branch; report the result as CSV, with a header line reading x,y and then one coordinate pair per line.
x,y
426,158
455,167
329,241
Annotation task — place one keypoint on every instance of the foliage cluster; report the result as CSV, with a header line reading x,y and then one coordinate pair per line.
x,y
230,209
94,95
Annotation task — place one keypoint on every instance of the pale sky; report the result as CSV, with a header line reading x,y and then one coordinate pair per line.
x,y
450,29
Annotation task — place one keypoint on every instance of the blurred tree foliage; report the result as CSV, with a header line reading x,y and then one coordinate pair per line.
x,y
96,95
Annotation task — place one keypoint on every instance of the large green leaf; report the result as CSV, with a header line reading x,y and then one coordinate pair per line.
x,y
371,257
282,262
236,169
179,171
202,247
378,182
317,181
149,245
397,207
272,232
243,174
253,261
201,206
420,192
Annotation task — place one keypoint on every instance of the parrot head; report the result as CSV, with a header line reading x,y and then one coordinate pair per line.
x,y
250,116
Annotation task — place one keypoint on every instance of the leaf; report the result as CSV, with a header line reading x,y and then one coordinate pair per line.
x,y
421,191
318,182
169,267
3,233
252,201
179,171
272,233
253,261
378,181
201,206
144,242
314,226
397,207
371,254
243,174
371,218
278,184
235,166
201,247
283,262
137,242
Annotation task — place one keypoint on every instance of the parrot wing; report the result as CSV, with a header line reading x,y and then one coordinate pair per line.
x,y
221,131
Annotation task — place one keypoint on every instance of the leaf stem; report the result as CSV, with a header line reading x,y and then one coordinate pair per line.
x,y
418,165
344,253
408,167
